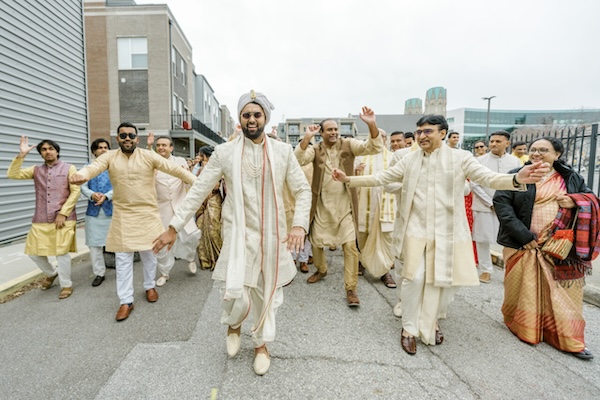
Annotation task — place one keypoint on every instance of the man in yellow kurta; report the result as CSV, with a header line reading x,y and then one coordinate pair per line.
x,y
136,221
52,230
433,232
334,206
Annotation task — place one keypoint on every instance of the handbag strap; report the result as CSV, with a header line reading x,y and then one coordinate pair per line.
x,y
574,219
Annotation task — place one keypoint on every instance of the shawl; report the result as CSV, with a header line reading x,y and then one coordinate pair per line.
x,y
587,237
236,267
443,218
387,201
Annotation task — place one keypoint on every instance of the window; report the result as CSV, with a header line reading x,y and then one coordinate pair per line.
x,y
346,129
174,104
174,61
293,129
132,53
183,72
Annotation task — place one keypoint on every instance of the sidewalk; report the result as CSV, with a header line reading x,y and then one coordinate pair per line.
x,y
17,269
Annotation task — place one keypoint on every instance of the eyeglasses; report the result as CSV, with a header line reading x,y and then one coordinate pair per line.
x,y
478,147
256,115
541,150
424,131
123,136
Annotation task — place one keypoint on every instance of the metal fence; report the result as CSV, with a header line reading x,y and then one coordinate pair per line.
x,y
580,150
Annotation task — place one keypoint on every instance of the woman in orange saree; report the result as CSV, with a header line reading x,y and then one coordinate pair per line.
x,y
539,305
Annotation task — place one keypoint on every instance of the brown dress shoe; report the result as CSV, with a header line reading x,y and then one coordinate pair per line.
x,y
303,268
310,259
316,277
124,311
388,281
409,344
439,337
352,298
47,282
486,277
151,295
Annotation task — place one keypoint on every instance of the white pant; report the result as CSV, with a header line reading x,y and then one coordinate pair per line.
x,y
97,257
124,268
63,269
184,247
303,254
235,312
398,265
423,304
484,257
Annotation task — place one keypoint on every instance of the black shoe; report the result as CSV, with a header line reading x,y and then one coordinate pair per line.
x,y
98,280
584,354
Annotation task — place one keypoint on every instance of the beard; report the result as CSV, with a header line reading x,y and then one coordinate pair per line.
x,y
253,136
127,151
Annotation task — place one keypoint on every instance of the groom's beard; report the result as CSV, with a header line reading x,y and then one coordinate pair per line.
x,y
254,135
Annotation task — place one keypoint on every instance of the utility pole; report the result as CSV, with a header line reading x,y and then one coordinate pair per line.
x,y
487,126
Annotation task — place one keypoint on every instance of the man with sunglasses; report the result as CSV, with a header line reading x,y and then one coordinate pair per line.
x,y
136,220
334,212
479,148
485,221
255,261
433,232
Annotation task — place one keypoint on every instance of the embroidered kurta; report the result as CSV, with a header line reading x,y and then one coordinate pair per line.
x,y
43,239
136,221
287,171
333,222
432,217
97,222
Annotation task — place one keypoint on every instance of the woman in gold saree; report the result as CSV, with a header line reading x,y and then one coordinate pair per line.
x,y
543,297
208,220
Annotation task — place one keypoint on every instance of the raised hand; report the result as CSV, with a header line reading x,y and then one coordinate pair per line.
x,y
367,115
24,147
533,173
150,140
312,130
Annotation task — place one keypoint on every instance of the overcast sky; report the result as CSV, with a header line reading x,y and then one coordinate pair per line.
x,y
319,58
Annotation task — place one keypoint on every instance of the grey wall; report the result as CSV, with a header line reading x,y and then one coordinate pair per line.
x,y
42,95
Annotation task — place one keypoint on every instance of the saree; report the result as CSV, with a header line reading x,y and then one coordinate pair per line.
x,y
536,307
208,220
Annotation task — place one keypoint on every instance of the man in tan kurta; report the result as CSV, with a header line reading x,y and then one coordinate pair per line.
x,y
52,230
334,206
433,232
136,221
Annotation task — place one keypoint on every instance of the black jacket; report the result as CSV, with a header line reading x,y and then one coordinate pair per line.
x,y
514,209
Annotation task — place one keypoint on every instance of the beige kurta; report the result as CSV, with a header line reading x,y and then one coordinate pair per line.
x,y
136,221
423,226
333,224
43,239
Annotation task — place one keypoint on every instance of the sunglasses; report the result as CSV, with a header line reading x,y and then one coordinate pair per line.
x,y
256,115
479,147
123,136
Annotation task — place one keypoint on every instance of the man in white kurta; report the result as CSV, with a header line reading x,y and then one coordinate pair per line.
x,y
485,221
433,230
170,192
255,261
136,221
334,210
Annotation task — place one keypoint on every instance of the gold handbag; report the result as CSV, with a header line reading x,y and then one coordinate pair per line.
x,y
559,245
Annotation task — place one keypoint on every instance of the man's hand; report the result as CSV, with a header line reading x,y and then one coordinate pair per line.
x,y
295,239
533,173
368,116
565,201
312,130
150,140
77,179
24,147
167,238
360,169
59,222
339,175
99,198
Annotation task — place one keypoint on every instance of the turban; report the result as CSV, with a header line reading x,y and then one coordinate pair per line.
x,y
258,98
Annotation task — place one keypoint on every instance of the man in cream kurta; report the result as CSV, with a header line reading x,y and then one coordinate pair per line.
x,y
334,208
255,261
485,221
136,221
433,232
170,193
52,230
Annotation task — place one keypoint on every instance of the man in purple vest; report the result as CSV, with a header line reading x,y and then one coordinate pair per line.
x,y
52,230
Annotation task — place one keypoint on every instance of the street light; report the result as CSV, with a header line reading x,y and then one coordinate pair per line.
x,y
487,126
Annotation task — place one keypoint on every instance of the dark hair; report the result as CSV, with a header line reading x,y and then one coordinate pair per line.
x,y
165,137
557,145
206,150
97,142
501,133
51,143
408,135
397,133
127,125
325,120
517,144
453,133
432,119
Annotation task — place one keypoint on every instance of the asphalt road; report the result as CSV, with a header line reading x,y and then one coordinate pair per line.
x,y
175,348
